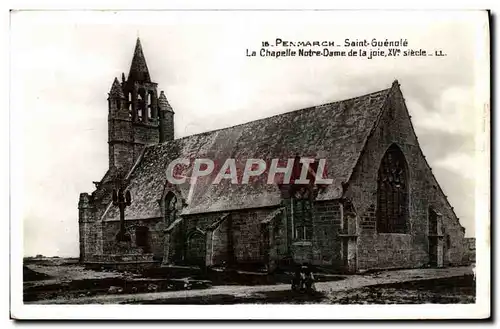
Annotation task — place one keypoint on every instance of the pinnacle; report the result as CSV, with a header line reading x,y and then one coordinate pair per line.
x,y
139,69
116,89
163,102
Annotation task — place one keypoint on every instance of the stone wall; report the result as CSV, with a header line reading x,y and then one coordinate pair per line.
x,y
244,239
325,247
237,239
119,129
146,133
121,155
221,243
389,250
166,127
327,226
247,235
155,237
87,228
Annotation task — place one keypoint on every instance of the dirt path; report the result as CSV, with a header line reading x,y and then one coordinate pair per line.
x,y
352,282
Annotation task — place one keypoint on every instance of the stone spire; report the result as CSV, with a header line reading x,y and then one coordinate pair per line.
x,y
139,69
166,115
116,90
163,103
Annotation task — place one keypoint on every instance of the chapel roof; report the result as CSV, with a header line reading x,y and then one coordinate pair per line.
x,y
335,131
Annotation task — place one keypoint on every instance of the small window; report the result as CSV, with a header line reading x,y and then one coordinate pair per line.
x,y
141,105
150,105
303,232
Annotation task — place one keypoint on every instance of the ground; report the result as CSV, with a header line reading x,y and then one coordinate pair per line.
x,y
64,281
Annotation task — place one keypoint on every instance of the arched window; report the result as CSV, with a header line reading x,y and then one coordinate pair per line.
x,y
392,192
129,105
141,105
170,208
150,105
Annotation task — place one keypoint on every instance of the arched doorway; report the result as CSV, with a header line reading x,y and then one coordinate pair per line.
x,y
196,245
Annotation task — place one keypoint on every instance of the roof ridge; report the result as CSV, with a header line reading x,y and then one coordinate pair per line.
x,y
276,115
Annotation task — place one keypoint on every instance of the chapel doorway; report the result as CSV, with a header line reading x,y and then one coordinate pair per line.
x,y
196,249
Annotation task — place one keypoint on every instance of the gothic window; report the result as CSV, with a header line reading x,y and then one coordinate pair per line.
x,y
170,208
392,193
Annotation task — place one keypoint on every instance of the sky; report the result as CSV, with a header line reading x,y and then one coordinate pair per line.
x,y
63,65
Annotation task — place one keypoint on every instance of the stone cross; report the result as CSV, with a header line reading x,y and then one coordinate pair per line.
x,y
122,199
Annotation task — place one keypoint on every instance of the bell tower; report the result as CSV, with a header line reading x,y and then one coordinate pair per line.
x,y
142,102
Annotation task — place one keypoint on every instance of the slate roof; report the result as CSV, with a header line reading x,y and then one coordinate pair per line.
x,y
336,131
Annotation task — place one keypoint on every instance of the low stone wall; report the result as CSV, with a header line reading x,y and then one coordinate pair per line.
x,y
123,258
